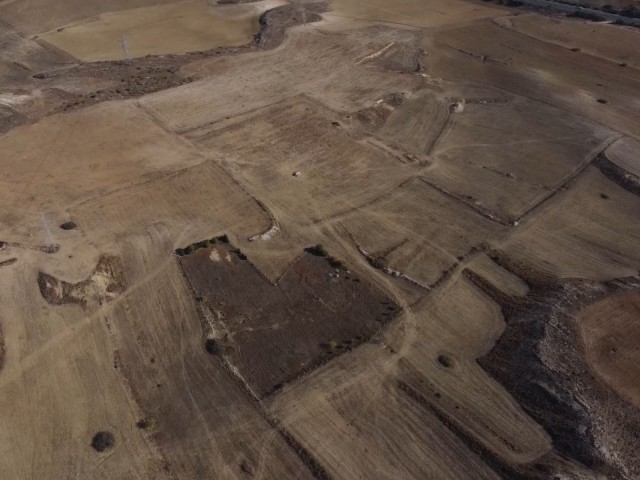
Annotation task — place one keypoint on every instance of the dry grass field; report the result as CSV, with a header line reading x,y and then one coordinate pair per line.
x,y
600,40
338,240
347,412
174,28
63,160
405,230
486,52
609,330
38,16
565,242
410,13
495,167
625,153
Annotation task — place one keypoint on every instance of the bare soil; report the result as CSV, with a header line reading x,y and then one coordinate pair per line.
x,y
274,333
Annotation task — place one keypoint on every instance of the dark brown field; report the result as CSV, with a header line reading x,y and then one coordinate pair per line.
x,y
274,333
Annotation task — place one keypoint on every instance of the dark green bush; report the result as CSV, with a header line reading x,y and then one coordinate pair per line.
x,y
335,263
102,441
68,226
445,361
318,251
146,423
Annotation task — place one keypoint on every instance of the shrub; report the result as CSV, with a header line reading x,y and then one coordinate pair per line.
x,y
318,251
444,361
335,263
102,441
68,226
378,263
246,467
212,347
239,253
216,347
146,423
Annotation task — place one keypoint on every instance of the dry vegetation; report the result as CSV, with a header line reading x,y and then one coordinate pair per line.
x,y
423,224
610,331
172,28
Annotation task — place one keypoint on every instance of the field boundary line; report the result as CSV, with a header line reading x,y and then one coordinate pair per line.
x,y
594,155
306,458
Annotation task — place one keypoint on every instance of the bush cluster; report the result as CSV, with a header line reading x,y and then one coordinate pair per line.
x,y
318,251
102,441
202,244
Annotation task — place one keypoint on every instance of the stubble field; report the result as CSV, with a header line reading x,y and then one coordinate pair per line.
x,y
377,240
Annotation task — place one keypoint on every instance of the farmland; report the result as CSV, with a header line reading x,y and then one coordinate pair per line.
x,y
172,28
318,240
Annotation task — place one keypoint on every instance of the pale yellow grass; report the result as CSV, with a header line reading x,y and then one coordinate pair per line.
x,y
592,231
499,277
609,41
625,153
37,16
462,323
360,425
68,158
495,165
59,387
191,205
309,62
175,28
412,13
406,226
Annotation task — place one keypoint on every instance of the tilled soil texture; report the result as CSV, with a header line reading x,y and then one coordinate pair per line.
x,y
271,334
